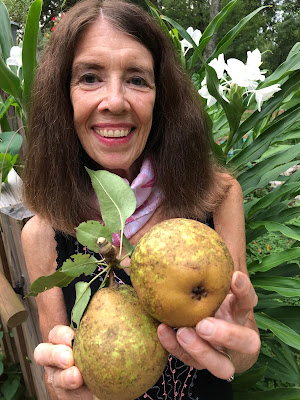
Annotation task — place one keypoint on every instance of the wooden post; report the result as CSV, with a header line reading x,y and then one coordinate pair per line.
x,y
12,310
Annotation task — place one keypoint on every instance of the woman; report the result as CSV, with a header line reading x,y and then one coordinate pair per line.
x,y
110,94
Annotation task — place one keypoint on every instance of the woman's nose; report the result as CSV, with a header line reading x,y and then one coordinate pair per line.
x,y
114,99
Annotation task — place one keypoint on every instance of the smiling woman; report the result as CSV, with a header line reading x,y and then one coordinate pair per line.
x,y
111,94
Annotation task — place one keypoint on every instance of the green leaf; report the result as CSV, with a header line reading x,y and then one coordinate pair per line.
x,y
116,198
269,106
275,259
6,164
273,196
215,23
87,234
79,264
127,245
10,142
232,34
248,379
261,144
83,295
1,367
288,315
44,283
275,394
283,332
10,386
288,287
29,61
275,227
289,65
6,40
9,82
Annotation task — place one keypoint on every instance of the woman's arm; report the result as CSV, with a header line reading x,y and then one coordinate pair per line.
x,y
55,354
232,330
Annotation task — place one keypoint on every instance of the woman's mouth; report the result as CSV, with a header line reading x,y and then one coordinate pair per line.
x,y
113,133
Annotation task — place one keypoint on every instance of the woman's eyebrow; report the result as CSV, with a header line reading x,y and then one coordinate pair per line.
x,y
82,66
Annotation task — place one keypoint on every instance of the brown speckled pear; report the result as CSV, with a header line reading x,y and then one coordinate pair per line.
x,y
116,347
181,270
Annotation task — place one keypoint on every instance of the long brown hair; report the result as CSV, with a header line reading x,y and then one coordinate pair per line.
x,y
56,185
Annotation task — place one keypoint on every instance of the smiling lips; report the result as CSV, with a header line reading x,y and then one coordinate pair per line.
x,y
115,133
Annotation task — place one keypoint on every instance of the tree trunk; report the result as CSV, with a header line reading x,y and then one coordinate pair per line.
x,y
215,8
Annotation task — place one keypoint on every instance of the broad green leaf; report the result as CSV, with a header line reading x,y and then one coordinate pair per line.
x,y
9,101
272,226
83,295
274,394
291,135
270,301
232,34
288,287
157,15
261,144
248,379
283,332
275,259
44,283
1,364
271,198
4,124
10,386
79,264
269,106
127,245
288,315
87,233
284,69
29,61
6,164
277,370
116,198
6,40
9,82
10,142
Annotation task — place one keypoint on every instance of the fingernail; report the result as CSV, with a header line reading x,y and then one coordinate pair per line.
x,y
65,358
68,337
239,281
70,377
163,332
187,335
205,327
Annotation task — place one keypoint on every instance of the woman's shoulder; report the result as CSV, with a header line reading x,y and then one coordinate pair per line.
x,y
39,246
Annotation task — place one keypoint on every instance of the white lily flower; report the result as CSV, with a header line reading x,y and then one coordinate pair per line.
x,y
264,94
244,75
206,95
219,65
195,35
254,58
15,57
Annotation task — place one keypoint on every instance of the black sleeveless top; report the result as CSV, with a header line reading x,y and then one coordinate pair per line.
x,y
178,381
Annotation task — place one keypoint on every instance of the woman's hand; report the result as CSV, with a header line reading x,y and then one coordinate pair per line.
x,y
63,378
230,331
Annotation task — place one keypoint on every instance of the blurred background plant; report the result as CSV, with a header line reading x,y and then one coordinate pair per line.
x,y
255,120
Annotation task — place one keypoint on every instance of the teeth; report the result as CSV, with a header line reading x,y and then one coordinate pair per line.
x,y
112,133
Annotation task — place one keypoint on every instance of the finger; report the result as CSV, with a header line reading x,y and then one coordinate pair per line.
x,y
61,334
211,359
69,379
232,336
55,355
244,299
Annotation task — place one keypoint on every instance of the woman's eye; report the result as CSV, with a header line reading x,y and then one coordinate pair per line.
x,y
138,81
89,79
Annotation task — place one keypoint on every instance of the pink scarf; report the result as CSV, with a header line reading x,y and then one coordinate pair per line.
x,y
148,198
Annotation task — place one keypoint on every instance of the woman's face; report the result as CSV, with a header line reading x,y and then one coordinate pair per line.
x,y
113,95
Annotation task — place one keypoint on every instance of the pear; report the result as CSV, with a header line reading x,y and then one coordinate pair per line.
x,y
116,346
181,270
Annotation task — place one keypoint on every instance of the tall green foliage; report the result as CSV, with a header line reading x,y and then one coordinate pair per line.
x,y
258,146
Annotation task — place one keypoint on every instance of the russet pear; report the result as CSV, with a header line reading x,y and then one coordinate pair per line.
x,y
181,270
116,347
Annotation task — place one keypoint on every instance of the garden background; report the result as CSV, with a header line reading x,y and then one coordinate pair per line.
x,y
244,59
